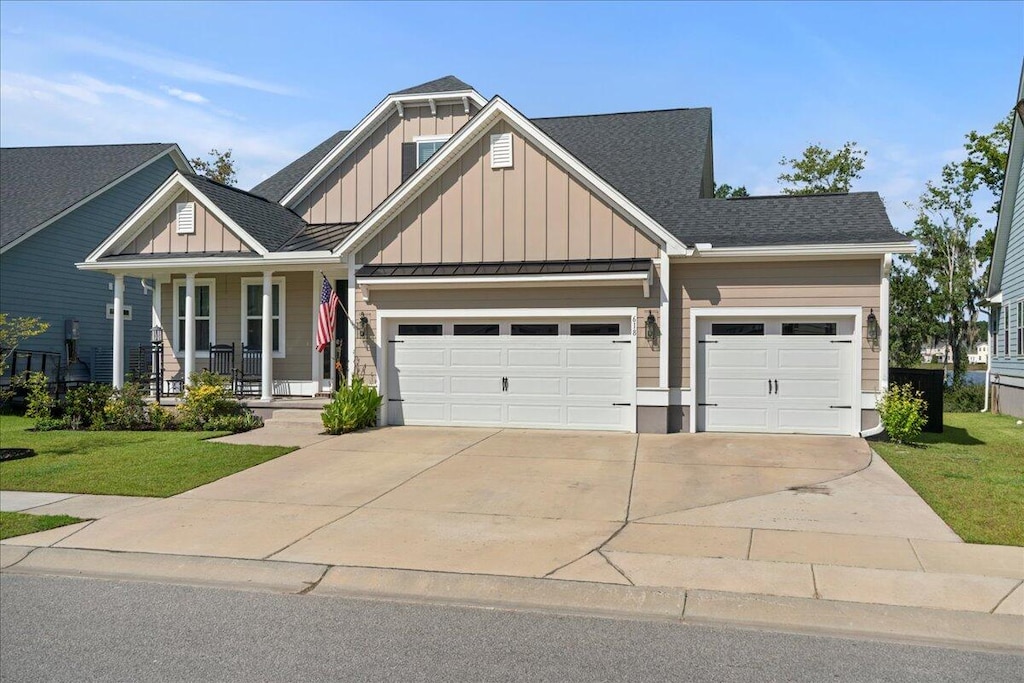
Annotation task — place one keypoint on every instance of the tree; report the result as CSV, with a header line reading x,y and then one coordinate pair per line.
x,y
985,167
726,191
220,167
912,319
821,170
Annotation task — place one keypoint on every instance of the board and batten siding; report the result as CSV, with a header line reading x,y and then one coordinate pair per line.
x,y
1007,362
771,284
298,336
373,170
161,236
533,211
582,298
38,277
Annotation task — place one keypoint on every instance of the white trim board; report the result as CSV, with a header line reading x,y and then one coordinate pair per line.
x,y
175,153
823,251
498,109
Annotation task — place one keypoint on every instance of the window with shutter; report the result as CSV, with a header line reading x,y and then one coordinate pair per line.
x,y
185,218
501,150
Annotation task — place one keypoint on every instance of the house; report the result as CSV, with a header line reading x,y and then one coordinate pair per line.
x,y
57,204
1006,282
979,355
571,272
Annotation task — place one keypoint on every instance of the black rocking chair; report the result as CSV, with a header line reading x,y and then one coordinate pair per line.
x,y
222,360
250,372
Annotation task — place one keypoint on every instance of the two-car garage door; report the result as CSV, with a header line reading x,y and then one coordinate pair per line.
x,y
568,374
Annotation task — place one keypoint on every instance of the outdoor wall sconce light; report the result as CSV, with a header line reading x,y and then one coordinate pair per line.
x,y
651,331
873,329
364,326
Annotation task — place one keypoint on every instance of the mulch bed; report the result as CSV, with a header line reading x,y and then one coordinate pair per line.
x,y
15,453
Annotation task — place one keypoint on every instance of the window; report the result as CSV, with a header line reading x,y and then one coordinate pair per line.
x,y
738,329
534,329
252,313
808,329
1020,327
426,146
477,330
995,316
206,316
594,329
185,218
420,329
127,312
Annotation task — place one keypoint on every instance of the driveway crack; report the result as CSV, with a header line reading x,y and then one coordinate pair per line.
x,y
616,568
311,585
1001,601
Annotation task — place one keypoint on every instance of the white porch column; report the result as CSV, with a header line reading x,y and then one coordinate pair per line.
x,y
267,347
190,325
157,305
118,331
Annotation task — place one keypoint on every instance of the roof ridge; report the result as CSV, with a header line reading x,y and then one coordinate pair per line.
x,y
620,113
798,196
234,189
110,144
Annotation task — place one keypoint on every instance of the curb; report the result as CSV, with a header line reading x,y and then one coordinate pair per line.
x,y
970,630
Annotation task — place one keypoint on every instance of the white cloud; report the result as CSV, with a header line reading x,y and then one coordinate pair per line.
x,y
184,95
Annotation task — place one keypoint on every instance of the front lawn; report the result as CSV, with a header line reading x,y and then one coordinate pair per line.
x,y
19,524
972,475
121,463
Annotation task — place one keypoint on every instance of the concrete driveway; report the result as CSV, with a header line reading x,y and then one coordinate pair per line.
x,y
509,502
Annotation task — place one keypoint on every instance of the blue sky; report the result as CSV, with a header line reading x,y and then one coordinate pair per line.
x,y
269,80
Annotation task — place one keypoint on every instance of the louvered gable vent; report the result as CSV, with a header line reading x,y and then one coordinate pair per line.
x,y
501,150
185,217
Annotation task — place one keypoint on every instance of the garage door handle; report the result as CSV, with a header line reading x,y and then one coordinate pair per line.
x,y
776,386
769,386
504,383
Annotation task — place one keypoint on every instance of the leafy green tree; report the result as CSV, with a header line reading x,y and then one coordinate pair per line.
x,y
820,170
726,191
985,167
220,167
912,319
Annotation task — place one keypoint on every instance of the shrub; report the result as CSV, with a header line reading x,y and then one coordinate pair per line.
x,y
966,398
126,408
161,418
49,424
83,406
235,423
902,411
206,397
39,402
352,407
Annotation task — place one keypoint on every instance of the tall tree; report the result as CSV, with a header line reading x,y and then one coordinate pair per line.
x,y
912,319
726,191
820,170
219,167
985,168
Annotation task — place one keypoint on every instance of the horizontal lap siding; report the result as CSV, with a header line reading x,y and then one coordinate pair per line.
x,y
532,211
161,236
373,170
1003,362
297,363
526,297
771,284
38,277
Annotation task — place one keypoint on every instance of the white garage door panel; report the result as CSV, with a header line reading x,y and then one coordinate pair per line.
x,y
726,419
795,389
561,381
806,359
811,421
723,387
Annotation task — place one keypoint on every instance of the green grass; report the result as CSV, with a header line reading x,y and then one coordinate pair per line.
x,y
972,475
18,524
121,463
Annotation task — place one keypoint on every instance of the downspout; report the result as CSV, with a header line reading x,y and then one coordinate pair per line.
x,y
988,364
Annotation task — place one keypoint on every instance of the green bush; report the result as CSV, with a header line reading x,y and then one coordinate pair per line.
x,y
84,406
126,409
902,411
39,402
162,418
353,407
49,424
967,398
235,423
206,397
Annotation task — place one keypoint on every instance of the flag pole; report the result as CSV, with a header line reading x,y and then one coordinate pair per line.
x,y
343,307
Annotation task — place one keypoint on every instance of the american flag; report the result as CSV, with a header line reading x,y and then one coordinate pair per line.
x,y
325,320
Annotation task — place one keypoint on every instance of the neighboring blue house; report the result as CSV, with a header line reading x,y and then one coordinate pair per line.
x,y
1006,285
56,205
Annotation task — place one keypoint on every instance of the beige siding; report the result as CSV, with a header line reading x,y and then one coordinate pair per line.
x,y
518,297
161,236
771,284
296,365
374,169
532,211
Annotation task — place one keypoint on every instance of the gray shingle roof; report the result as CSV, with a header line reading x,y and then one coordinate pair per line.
x,y
38,183
269,223
652,157
278,185
443,84
858,217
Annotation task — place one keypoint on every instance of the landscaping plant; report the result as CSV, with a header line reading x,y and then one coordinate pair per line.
x,y
209,405
84,406
126,409
39,402
966,398
353,407
902,411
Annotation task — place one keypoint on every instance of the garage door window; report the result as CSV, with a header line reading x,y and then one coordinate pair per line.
x,y
477,330
594,329
420,330
737,329
534,329
808,329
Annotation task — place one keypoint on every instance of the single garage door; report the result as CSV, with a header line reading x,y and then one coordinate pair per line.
x,y
567,374
776,375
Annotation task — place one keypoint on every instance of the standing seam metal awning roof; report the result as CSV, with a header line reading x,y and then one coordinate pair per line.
x,y
591,266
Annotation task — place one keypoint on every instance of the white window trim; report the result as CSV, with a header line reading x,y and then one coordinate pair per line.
x,y
212,284
429,139
280,282
179,207
127,311
1019,310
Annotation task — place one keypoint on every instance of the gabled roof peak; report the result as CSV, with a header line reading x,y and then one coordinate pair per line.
x,y
444,84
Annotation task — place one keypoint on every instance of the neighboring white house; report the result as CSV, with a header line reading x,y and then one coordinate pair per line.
x,y
980,354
